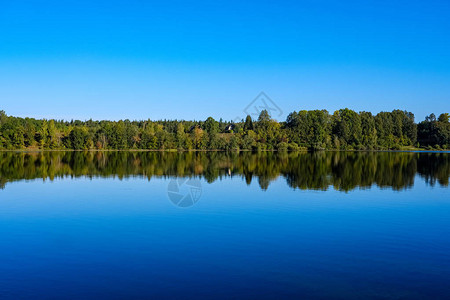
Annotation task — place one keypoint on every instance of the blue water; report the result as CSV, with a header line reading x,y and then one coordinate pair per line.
x,y
81,238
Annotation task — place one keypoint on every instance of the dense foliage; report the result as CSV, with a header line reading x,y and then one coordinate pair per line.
x,y
343,170
315,129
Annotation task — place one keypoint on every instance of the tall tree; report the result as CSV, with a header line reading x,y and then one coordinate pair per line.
x,y
368,130
79,138
347,127
248,125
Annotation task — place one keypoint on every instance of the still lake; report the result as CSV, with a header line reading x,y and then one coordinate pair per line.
x,y
141,225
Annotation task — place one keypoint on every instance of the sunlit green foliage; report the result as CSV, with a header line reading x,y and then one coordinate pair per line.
x,y
345,129
435,132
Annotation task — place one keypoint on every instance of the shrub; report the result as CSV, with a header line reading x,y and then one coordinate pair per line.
x,y
282,146
293,147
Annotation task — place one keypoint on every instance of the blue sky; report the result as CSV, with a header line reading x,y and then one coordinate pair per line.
x,y
194,59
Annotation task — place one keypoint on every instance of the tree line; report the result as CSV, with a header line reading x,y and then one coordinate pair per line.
x,y
345,129
317,170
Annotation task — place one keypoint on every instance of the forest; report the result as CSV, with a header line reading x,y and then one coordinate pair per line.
x,y
345,129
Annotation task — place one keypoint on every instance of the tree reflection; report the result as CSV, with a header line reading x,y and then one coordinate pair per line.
x,y
344,171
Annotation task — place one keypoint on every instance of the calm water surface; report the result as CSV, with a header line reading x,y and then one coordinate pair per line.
x,y
140,225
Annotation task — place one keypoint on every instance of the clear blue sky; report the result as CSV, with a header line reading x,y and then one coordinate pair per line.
x,y
192,59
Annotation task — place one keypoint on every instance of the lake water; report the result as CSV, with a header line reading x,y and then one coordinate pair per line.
x,y
141,225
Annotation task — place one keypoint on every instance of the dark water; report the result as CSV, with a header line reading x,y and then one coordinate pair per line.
x,y
140,225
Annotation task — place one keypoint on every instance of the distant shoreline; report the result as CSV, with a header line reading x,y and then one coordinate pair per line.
x,y
217,150
317,130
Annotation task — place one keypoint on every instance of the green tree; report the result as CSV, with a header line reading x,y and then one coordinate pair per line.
x,y
384,127
181,136
248,125
43,134
309,129
347,127
79,138
52,140
368,130
29,133
444,118
434,131
211,127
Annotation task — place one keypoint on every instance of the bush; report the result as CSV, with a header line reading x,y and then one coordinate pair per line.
x,y
360,147
282,146
292,147
258,147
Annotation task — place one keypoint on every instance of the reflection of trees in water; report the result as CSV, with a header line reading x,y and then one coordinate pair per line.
x,y
304,170
434,167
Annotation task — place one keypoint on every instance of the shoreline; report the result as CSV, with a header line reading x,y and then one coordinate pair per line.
x,y
197,150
